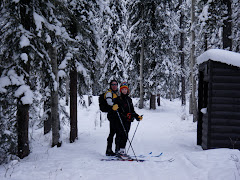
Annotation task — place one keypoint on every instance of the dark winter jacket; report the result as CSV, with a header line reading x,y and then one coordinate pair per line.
x,y
126,109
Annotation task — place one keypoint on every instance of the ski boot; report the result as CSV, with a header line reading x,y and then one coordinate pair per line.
x,y
109,152
122,155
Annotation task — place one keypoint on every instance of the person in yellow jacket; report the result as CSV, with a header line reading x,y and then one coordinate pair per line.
x,y
110,96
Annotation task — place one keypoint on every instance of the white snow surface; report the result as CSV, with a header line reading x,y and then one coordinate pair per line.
x,y
160,131
220,55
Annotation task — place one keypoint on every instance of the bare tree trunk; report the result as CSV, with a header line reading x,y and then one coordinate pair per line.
x,y
205,42
23,109
170,91
227,26
47,121
54,99
158,100
47,111
192,57
141,75
182,56
73,105
22,124
153,101
89,100
89,92
190,104
67,90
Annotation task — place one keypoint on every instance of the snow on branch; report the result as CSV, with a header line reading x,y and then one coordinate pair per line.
x,y
27,94
24,41
12,79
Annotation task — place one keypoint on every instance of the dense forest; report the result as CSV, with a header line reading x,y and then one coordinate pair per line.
x,y
58,50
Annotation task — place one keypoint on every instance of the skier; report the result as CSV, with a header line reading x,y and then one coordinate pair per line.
x,y
127,115
110,96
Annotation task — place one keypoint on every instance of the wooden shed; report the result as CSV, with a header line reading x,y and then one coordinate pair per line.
x,y
219,100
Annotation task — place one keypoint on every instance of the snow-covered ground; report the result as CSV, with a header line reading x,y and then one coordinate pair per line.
x,y
161,131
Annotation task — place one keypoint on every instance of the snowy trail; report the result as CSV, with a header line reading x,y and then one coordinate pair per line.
x,y
161,130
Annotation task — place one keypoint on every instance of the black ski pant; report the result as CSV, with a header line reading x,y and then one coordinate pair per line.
x,y
122,133
113,126
116,127
113,131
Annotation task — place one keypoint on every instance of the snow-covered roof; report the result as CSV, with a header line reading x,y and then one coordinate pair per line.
x,y
220,55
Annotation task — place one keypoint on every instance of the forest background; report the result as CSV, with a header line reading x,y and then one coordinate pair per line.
x,y
53,50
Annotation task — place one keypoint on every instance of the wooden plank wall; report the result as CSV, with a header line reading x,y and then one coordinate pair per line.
x,y
224,127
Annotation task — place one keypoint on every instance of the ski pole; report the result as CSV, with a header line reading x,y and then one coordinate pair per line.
x,y
133,136
127,135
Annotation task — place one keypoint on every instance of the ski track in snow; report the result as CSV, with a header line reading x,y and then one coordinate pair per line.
x,y
161,130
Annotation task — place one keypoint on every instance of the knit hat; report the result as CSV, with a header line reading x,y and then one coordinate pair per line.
x,y
124,85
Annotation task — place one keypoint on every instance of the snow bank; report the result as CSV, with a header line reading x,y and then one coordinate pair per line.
x,y
223,56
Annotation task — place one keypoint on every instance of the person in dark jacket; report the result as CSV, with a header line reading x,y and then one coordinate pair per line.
x,y
127,114
110,96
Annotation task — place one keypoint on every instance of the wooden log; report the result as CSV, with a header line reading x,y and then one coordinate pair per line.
x,y
226,115
223,86
226,79
224,93
226,136
224,144
225,100
225,107
224,129
225,122
226,71
216,65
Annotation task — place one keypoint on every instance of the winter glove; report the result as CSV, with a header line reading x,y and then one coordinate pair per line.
x,y
140,118
130,118
115,107
114,96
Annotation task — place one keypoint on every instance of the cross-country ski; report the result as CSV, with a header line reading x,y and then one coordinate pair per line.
x,y
140,158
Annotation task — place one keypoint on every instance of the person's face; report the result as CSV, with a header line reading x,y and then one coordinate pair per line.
x,y
114,86
124,91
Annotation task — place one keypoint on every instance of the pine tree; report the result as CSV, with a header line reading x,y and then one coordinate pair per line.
x,y
8,35
19,47
142,21
113,42
155,22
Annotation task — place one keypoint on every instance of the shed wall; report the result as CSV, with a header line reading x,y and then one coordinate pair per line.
x,y
224,118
